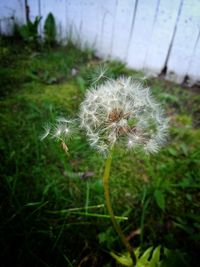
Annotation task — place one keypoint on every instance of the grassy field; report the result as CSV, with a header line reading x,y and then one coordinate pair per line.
x,y
52,203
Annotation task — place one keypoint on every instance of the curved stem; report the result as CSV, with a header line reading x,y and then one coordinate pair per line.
x,y
117,228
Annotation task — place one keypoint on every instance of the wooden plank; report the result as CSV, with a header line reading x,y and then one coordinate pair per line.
x,y
83,21
11,11
142,30
74,19
107,11
184,41
91,23
34,8
161,37
193,72
122,27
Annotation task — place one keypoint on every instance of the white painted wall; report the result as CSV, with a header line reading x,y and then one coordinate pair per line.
x,y
185,39
148,35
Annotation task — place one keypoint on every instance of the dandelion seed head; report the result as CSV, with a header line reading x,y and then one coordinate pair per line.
x,y
122,112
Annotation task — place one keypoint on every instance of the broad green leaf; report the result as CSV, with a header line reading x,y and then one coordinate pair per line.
x,y
144,258
123,259
154,262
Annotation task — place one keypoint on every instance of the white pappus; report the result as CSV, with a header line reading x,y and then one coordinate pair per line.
x,y
122,112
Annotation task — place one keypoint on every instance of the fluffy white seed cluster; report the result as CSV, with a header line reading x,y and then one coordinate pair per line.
x,y
123,112
62,130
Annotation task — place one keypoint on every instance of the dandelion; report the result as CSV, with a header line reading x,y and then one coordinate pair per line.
x,y
123,112
118,112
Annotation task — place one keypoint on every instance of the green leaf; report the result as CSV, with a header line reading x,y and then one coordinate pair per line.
x,y
172,151
184,149
160,199
50,29
155,257
124,259
143,261
144,258
102,237
81,83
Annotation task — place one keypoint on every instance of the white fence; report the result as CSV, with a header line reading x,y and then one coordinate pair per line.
x,y
156,36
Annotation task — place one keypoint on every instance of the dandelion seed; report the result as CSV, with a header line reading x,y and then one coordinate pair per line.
x,y
57,132
99,74
66,130
62,120
47,130
63,129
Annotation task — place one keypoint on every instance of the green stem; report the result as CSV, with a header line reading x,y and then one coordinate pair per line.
x,y
117,228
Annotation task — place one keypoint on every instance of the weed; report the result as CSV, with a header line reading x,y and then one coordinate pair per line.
x,y
50,30
29,31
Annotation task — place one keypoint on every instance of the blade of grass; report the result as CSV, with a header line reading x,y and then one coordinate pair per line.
x,y
75,209
99,215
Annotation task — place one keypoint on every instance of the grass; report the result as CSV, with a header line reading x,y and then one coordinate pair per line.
x,y
52,204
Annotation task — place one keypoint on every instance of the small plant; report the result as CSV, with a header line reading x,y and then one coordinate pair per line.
x,y
50,30
29,32
115,113
149,258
